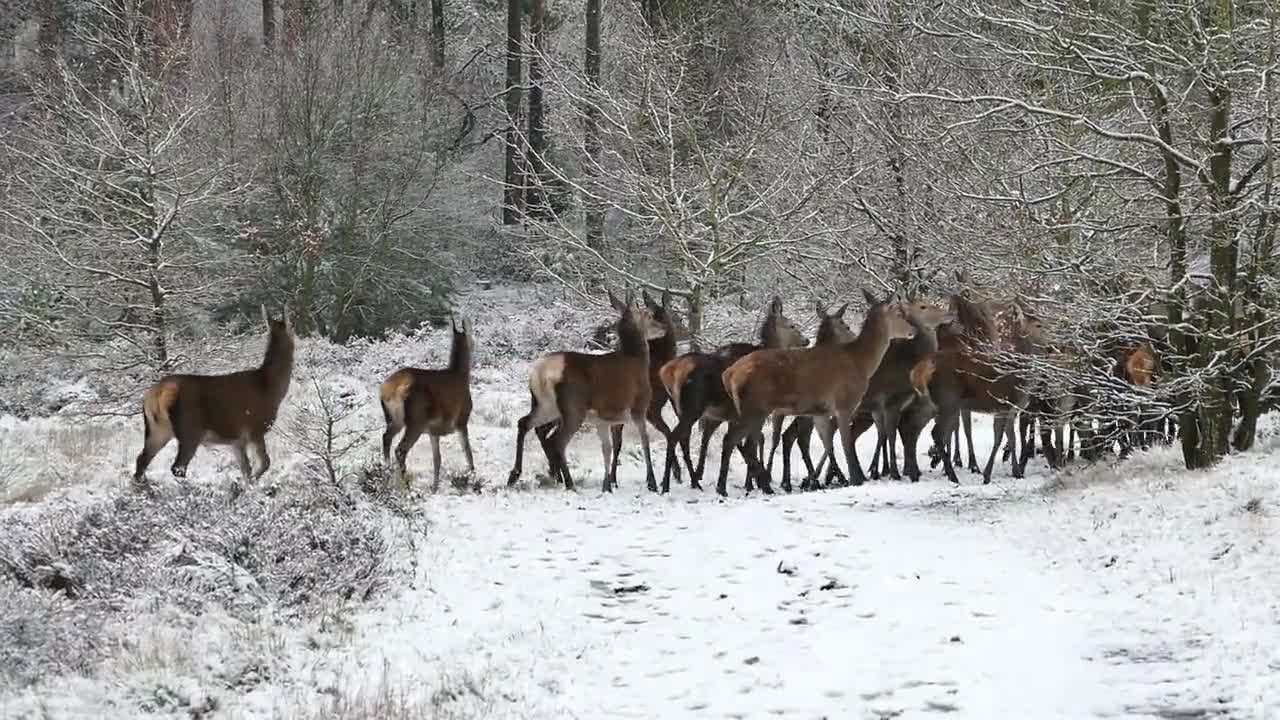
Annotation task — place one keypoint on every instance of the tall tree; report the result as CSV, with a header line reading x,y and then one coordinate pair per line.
x,y
535,199
268,25
512,190
437,34
591,130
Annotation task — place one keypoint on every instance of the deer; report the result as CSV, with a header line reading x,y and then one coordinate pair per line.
x,y
435,402
966,376
820,381
661,351
832,330
605,389
901,379
693,382
236,409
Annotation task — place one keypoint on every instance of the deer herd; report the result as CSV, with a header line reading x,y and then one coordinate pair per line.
x,y
912,361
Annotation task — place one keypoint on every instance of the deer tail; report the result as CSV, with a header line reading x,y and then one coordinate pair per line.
x,y
546,374
671,380
392,394
732,385
157,401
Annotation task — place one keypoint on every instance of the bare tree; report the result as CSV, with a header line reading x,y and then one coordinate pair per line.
x,y
513,184
110,205
591,125
535,200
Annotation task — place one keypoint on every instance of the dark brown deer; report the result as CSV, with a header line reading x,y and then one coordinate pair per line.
x,y
967,376
235,409
570,388
697,393
822,381
435,402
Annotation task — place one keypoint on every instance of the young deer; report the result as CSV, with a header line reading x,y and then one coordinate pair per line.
x,y
570,388
437,402
697,393
235,409
820,381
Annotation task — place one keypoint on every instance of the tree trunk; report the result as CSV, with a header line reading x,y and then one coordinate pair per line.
x,y
49,37
696,310
512,190
437,34
268,26
535,198
895,147
295,22
591,130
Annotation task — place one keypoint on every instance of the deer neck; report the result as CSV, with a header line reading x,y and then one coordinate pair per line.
x,y
277,365
632,342
664,348
926,340
460,357
869,348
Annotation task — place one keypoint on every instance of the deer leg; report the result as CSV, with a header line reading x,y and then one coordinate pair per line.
x,y
153,441
660,424
708,428
756,463
605,432
732,437
956,445
615,435
912,423
944,425
1071,441
642,427
187,446
844,422
826,431
522,429
874,472
559,443
998,421
679,437
776,421
465,437
407,441
435,462
788,439
388,437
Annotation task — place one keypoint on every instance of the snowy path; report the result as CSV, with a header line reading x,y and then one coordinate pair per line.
x,y
827,605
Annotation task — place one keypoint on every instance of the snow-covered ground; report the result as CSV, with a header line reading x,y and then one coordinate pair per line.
x,y
1130,590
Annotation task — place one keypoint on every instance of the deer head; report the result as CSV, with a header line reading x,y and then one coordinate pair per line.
x,y
779,330
637,316
831,326
663,314
892,312
928,315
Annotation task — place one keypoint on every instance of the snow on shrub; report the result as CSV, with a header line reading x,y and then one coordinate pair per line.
x,y
68,566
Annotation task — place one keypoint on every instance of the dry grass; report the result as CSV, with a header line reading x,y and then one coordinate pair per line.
x,y
38,459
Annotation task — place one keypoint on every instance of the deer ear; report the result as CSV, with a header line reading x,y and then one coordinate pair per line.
x,y
870,298
820,308
630,299
775,306
648,300
614,301
666,299
840,313
266,319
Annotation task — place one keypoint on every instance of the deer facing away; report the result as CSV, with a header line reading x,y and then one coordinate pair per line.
x,y
437,402
571,388
236,409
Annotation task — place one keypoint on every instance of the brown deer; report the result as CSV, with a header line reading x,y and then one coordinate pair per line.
x,y
820,381
661,351
570,388
235,409
693,381
901,379
437,402
967,376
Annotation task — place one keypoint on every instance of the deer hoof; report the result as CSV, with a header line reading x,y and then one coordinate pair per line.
x,y
179,471
721,491
513,478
